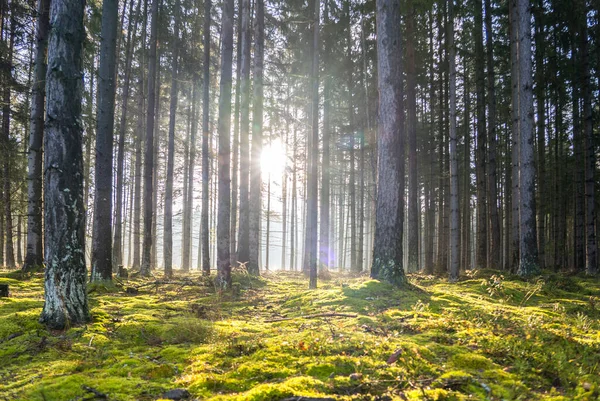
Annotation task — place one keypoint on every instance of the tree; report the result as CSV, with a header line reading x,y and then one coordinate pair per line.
x,y
149,151
34,255
205,134
168,227
411,125
324,240
102,229
65,296
257,138
389,220
223,216
454,219
528,264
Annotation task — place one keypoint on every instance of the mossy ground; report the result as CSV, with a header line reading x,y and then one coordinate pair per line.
x,y
486,337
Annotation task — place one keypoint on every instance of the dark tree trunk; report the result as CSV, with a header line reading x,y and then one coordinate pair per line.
x,y
34,253
411,125
149,151
257,141
168,218
514,61
454,218
236,143
224,128
204,237
102,228
324,240
65,279
389,224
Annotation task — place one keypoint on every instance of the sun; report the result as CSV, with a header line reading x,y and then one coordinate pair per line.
x,y
272,160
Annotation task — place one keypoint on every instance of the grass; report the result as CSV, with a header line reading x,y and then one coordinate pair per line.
x,y
487,337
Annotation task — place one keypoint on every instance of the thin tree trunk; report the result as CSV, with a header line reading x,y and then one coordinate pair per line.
x,y
204,237
236,142
324,240
168,218
224,128
65,278
411,125
454,220
515,142
34,253
149,157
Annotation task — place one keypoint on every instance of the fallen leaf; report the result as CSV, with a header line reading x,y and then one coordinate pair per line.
x,y
394,357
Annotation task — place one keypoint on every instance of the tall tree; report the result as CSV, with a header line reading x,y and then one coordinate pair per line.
x,y
515,197
257,139
389,223
102,229
224,126
454,219
168,224
243,253
34,254
205,137
149,151
65,293
324,239
528,264
236,142
411,126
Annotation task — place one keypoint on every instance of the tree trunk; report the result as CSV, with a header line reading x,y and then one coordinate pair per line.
x,y
495,247
236,142
224,126
205,137
454,221
243,253
255,203
168,222
515,141
389,224
65,279
149,156
528,264
34,254
411,125
129,45
324,240
102,228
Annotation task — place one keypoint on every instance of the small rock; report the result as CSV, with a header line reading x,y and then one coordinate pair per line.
x,y
176,394
587,386
131,290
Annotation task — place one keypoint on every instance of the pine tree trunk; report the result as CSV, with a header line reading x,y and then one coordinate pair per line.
x,y
243,253
528,263
149,151
34,253
255,203
387,252
480,153
204,237
411,124
541,132
65,278
236,143
293,224
495,243
515,141
129,45
168,218
224,135
102,228
324,240
454,220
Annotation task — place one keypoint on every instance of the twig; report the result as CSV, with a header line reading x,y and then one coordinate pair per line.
x,y
333,314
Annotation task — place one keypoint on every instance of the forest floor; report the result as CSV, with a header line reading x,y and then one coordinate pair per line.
x,y
487,337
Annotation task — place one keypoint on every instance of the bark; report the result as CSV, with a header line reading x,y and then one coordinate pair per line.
x,y
65,278
129,45
205,139
430,213
495,243
515,197
324,240
454,220
34,253
528,262
352,143
411,125
243,253
224,134
480,160
389,224
257,142
168,218
189,203
149,149
293,223
102,228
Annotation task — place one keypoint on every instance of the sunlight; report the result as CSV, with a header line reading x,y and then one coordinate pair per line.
x,y
273,158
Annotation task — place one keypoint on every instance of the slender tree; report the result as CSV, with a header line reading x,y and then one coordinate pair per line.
x,y
34,254
204,237
411,125
454,218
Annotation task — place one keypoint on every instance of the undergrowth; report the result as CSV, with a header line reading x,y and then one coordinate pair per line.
x,y
487,337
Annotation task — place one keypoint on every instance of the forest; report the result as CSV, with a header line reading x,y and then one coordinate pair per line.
x,y
286,200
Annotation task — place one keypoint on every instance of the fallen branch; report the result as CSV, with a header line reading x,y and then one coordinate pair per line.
x,y
316,315
96,393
